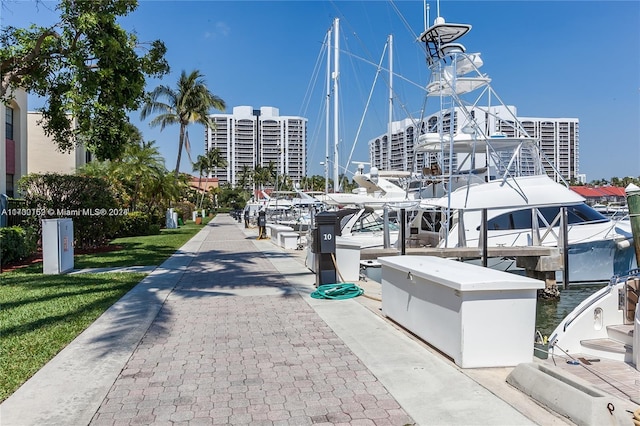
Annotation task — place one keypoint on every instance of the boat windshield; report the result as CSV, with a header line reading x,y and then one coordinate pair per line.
x,y
580,214
369,222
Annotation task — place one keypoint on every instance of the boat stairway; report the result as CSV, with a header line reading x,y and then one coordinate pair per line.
x,y
619,344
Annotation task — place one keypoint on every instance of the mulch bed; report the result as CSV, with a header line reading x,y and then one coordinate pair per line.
x,y
36,258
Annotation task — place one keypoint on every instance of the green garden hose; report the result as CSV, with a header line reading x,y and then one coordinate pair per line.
x,y
337,291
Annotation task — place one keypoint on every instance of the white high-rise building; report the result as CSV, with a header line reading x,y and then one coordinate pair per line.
x,y
255,137
558,139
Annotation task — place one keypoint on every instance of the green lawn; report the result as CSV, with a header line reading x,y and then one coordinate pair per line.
x,y
40,314
140,251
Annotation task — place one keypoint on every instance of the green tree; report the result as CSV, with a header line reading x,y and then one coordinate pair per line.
x,y
245,178
200,165
284,183
87,68
190,102
346,184
139,167
205,164
166,190
214,160
318,182
233,198
138,176
260,176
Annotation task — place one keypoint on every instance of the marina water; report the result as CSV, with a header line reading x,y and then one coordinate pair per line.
x,y
549,313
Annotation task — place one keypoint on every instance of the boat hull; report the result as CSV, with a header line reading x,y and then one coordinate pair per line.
x,y
603,324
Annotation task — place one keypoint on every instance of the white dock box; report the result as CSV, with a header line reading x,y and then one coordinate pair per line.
x,y
480,317
348,259
57,245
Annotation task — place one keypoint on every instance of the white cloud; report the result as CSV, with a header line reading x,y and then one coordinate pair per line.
x,y
221,29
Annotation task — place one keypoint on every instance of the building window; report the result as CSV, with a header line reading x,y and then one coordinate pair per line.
x,y
9,123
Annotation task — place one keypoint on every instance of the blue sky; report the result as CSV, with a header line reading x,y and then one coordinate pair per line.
x,y
572,59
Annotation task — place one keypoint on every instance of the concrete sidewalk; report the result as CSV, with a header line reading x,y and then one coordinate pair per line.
x,y
224,332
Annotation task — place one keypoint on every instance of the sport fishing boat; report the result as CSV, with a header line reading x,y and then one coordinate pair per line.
x,y
525,211
484,161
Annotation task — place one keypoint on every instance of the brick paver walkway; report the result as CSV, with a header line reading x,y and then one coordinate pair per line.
x,y
233,344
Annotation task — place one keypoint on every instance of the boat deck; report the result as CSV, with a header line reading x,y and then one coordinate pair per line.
x,y
614,377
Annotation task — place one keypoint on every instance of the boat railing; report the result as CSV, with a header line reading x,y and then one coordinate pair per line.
x,y
614,280
599,296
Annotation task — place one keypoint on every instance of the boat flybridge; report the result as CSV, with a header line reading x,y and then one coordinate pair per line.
x,y
474,133
479,156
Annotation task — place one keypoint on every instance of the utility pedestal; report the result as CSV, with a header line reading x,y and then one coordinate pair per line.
x,y
324,247
262,225
57,245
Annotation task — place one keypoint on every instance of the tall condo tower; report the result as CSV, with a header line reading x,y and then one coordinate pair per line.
x,y
256,137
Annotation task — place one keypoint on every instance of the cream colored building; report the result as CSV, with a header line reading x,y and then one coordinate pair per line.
x,y
13,146
43,153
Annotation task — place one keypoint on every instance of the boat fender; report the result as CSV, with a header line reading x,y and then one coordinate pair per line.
x,y
623,244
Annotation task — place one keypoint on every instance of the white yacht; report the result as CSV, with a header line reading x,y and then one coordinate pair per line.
x,y
484,160
526,211
376,189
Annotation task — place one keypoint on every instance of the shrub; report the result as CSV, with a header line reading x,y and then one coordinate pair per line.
x,y
133,224
89,201
184,210
17,243
137,223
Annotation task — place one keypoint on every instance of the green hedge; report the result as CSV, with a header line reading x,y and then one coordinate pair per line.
x,y
134,224
87,200
17,243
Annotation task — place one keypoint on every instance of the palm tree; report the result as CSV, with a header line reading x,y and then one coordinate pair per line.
x,y
140,165
165,190
189,103
318,182
204,163
244,177
200,165
260,176
215,160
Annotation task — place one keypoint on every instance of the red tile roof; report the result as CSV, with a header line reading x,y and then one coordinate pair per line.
x,y
599,191
204,184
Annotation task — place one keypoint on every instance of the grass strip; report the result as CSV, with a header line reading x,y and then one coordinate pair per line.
x,y
140,251
38,318
41,314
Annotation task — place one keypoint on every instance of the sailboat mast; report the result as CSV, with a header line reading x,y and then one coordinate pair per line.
x,y
328,113
336,74
390,121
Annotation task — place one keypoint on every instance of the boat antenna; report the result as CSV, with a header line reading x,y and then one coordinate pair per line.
x,y
426,14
